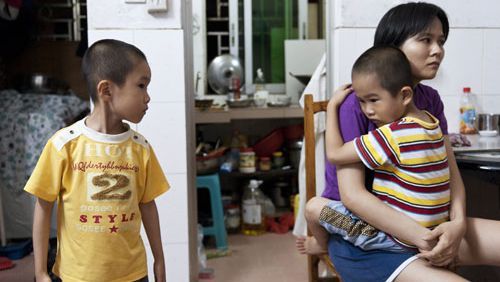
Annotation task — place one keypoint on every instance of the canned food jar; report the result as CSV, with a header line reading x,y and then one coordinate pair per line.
x,y
265,164
247,160
278,159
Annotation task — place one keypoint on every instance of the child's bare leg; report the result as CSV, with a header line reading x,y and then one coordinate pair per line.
x,y
421,270
318,243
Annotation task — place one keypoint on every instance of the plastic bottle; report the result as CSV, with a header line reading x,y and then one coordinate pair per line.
x,y
467,112
261,94
253,210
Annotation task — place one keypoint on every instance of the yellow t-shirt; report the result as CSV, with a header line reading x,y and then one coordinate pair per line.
x,y
99,181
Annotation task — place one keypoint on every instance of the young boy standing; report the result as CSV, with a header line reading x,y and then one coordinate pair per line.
x,y
406,152
105,177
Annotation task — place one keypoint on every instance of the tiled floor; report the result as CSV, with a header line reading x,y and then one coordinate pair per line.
x,y
23,271
266,258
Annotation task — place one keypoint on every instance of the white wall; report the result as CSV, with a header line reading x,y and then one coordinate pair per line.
x,y
472,50
161,38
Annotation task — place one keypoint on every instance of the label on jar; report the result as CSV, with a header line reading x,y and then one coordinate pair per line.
x,y
252,213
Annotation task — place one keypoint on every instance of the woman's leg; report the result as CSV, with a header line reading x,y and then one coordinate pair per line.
x,y
421,270
481,243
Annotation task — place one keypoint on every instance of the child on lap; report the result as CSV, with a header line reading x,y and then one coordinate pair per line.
x,y
406,152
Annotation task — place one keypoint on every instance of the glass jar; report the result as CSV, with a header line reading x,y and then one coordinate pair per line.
x,y
278,159
233,218
247,160
265,164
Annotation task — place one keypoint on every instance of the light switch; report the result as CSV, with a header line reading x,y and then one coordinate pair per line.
x,y
157,6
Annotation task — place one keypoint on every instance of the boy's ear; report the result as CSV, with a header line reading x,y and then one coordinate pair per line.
x,y
104,90
407,95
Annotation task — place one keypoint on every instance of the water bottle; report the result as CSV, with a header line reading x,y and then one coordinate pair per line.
x,y
467,112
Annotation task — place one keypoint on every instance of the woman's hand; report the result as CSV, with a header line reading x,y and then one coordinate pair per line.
x,y
449,235
340,94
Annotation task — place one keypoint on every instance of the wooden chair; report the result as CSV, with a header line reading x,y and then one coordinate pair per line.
x,y
310,108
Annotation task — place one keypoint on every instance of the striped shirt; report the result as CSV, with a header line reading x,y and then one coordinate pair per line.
x,y
411,170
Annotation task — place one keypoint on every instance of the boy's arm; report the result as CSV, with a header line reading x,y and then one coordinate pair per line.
x,y
149,214
361,202
336,151
450,233
41,227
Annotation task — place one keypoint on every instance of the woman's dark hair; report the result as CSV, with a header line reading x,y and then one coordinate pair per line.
x,y
406,20
389,64
109,59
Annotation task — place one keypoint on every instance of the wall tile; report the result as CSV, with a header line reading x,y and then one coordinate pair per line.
x,y
458,70
166,59
123,35
491,62
176,260
118,14
463,13
490,104
350,43
165,127
451,112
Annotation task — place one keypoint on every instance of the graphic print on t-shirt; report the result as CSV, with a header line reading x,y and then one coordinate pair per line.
x,y
108,186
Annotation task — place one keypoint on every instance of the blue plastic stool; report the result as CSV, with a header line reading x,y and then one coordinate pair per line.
x,y
211,182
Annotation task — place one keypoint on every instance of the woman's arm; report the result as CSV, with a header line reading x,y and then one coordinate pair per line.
x,y
338,152
450,233
149,214
41,227
356,198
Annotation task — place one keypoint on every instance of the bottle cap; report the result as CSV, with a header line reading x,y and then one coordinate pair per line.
x,y
466,89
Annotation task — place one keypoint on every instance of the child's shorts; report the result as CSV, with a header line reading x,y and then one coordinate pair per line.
x,y
355,264
337,219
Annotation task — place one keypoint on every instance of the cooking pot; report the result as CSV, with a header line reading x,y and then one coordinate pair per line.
x,y
488,124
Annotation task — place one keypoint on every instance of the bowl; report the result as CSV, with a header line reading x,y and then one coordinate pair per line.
x,y
280,101
259,102
240,103
203,104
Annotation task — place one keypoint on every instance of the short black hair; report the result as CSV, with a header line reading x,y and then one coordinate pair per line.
x,y
109,59
389,64
406,20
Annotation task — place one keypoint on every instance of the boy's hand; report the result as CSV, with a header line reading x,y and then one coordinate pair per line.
x,y
340,94
449,235
159,269
43,277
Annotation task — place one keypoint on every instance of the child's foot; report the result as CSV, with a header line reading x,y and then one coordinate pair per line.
x,y
309,245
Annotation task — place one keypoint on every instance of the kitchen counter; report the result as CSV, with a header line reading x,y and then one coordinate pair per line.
x,y
480,144
484,153
226,115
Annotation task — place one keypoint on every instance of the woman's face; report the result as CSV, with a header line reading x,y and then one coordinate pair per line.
x,y
425,51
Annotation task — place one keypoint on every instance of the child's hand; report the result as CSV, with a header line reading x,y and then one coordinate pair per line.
x,y
159,269
43,277
340,94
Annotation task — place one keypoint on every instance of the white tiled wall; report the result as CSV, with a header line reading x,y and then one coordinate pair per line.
x,y
472,50
160,37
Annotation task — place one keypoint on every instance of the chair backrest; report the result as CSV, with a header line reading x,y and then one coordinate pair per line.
x,y
311,108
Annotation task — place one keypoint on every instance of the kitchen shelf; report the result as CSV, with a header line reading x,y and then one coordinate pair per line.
x,y
261,174
226,116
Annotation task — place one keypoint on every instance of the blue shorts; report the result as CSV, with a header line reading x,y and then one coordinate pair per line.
x,y
355,264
